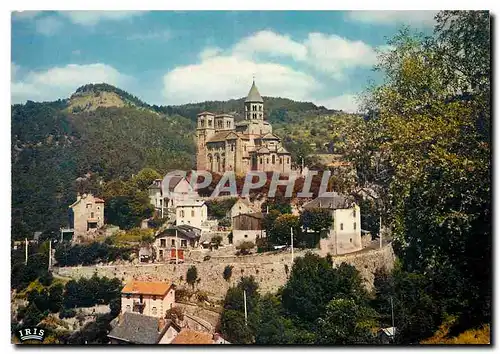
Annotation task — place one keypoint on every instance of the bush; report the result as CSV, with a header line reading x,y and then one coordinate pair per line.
x,y
191,275
228,272
182,294
217,240
245,247
67,313
175,313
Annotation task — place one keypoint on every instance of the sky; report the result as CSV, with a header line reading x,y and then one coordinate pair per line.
x,y
178,57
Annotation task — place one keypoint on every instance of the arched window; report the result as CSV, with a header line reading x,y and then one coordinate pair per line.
x,y
154,311
274,159
341,226
354,226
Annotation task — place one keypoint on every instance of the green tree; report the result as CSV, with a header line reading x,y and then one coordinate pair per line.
x,y
245,247
279,234
191,276
317,220
143,179
346,322
228,272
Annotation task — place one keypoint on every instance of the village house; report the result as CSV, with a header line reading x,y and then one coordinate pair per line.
x,y
223,145
247,227
184,236
86,215
242,206
344,236
165,193
147,298
133,328
192,213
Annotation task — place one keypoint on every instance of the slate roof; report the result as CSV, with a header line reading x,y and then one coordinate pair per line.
x,y
188,336
254,95
138,329
337,201
257,215
186,231
173,182
146,287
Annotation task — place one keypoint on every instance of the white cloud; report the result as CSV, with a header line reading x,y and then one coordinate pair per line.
x,y
272,44
48,25
334,54
224,77
76,52
383,17
91,18
155,35
330,54
209,52
347,103
14,69
61,82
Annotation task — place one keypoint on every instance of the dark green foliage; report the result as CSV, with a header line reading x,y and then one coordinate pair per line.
x,y
90,292
316,219
218,209
312,272
346,322
32,316
279,204
245,247
127,212
67,255
95,332
192,276
228,272
67,313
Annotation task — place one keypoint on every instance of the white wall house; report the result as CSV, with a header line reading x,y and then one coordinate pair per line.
x,y
148,298
344,235
191,212
242,206
165,193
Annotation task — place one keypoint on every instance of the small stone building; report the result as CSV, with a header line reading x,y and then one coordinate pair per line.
x,y
248,227
165,193
86,215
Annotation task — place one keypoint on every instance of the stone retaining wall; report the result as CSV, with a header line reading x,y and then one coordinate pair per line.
x,y
270,270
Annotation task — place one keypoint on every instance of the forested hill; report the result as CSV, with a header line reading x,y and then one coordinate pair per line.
x,y
110,134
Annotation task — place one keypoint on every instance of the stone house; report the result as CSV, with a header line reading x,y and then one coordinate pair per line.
x,y
191,212
344,236
133,328
147,298
86,215
187,237
248,227
242,206
165,193
223,145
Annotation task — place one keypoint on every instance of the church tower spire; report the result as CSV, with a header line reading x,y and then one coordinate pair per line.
x,y
254,104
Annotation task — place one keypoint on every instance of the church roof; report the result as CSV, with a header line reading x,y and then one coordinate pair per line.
x,y
263,150
269,136
282,150
254,95
221,136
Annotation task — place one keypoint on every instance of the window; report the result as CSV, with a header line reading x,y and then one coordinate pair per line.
x,y
184,243
260,115
246,236
354,226
260,108
354,214
128,296
153,311
182,213
274,159
254,115
228,124
89,206
192,213
341,226
173,243
350,240
92,215
245,147
281,160
261,160
232,147
127,308
163,242
209,123
154,297
287,160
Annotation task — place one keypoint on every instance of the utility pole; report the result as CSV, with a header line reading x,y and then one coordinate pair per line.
x,y
26,251
291,241
245,301
50,254
393,328
176,251
380,230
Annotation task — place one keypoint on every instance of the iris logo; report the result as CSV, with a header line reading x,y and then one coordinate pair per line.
x,y
31,333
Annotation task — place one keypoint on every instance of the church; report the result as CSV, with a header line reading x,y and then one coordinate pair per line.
x,y
248,145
